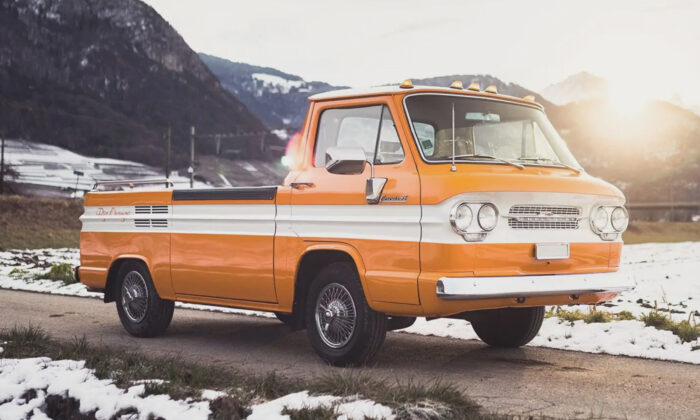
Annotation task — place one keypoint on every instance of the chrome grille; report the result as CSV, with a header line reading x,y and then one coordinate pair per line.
x,y
537,210
528,216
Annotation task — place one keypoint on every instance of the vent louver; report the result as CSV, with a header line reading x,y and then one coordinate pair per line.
x,y
151,223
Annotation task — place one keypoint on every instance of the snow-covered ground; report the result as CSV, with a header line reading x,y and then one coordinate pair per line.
x,y
44,169
25,385
667,275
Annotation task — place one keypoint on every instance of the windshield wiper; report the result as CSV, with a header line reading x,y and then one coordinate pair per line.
x,y
517,165
551,162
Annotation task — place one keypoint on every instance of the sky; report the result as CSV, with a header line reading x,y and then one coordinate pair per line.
x,y
639,45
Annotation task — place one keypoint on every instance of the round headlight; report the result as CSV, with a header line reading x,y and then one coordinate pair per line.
x,y
619,219
461,217
599,219
487,217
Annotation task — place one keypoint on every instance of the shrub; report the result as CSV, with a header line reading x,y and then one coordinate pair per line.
x,y
686,331
59,272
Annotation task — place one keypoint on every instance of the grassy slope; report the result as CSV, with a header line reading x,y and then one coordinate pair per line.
x,y
27,222
640,232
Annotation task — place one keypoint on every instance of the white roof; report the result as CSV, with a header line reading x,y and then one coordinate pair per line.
x,y
393,89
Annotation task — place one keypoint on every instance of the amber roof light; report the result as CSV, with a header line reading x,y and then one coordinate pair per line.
x,y
492,89
474,86
406,84
457,84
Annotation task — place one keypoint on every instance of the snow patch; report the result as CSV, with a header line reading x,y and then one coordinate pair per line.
x,y
351,408
276,84
70,378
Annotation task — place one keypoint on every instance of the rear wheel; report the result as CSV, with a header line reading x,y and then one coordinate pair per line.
x,y
341,326
508,327
142,312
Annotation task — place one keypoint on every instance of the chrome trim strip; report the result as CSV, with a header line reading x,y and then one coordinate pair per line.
x,y
473,288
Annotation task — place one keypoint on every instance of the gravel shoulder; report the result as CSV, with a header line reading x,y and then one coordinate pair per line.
x,y
522,381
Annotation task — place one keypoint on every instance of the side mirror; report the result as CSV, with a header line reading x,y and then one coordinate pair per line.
x,y
345,161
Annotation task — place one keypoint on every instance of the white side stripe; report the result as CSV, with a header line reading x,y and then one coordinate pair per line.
x,y
390,222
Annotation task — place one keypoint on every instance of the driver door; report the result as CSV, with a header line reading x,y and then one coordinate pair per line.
x,y
333,207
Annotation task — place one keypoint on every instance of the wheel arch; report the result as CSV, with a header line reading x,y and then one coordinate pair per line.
x,y
312,260
110,293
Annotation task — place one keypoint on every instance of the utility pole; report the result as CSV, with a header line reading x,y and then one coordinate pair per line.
x,y
190,170
167,158
2,164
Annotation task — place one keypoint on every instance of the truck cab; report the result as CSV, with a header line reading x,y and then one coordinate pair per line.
x,y
401,202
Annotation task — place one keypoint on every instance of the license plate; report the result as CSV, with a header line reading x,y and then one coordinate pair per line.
x,y
556,251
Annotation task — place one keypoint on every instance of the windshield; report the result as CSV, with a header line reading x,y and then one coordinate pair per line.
x,y
487,128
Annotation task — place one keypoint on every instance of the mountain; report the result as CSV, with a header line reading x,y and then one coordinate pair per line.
x,y
279,99
106,78
578,87
653,155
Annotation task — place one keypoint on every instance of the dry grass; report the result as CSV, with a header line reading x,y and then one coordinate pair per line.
x,y
28,222
185,380
642,232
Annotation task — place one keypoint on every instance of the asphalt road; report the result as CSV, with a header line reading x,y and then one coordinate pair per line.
x,y
520,381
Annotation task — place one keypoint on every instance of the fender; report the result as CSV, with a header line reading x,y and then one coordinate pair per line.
x,y
161,280
348,249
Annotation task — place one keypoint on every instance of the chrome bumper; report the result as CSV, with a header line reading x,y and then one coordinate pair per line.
x,y
472,288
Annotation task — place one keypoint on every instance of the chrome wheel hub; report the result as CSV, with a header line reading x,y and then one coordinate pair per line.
x,y
134,296
335,315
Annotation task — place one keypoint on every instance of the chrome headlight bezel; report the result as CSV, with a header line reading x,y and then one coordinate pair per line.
x,y
599,214
604,213
483,225
454,214
626,219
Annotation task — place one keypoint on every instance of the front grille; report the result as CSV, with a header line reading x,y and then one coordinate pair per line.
x,y
526,216
538,210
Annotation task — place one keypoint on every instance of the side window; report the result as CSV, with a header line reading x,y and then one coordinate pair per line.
x,y
359,127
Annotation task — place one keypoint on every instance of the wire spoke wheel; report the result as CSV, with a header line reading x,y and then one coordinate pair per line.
x,y
336,315
134,296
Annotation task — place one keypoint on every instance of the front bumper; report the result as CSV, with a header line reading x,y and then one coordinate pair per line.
x,y
475,288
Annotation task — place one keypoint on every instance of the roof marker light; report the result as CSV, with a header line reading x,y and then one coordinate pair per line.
x,y
530,98
457,84
474,86
492,89
406,84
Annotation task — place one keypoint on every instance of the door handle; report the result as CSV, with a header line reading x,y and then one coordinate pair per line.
x,y
301,185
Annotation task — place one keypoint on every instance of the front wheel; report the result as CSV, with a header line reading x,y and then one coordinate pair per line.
x,y
341,326
142,312
508,327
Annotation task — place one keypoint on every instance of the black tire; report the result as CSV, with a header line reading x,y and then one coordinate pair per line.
x,y
158,312
508,327
399,322
370,327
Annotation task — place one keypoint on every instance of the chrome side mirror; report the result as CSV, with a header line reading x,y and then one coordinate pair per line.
x,y
345,161
373,189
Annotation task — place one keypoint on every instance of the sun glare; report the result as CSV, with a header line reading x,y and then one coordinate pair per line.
x,y
627,98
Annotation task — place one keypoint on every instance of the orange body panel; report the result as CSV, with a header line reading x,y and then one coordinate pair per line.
x,y
399,275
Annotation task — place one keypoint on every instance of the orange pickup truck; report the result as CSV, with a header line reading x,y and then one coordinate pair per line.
x,y
401,202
